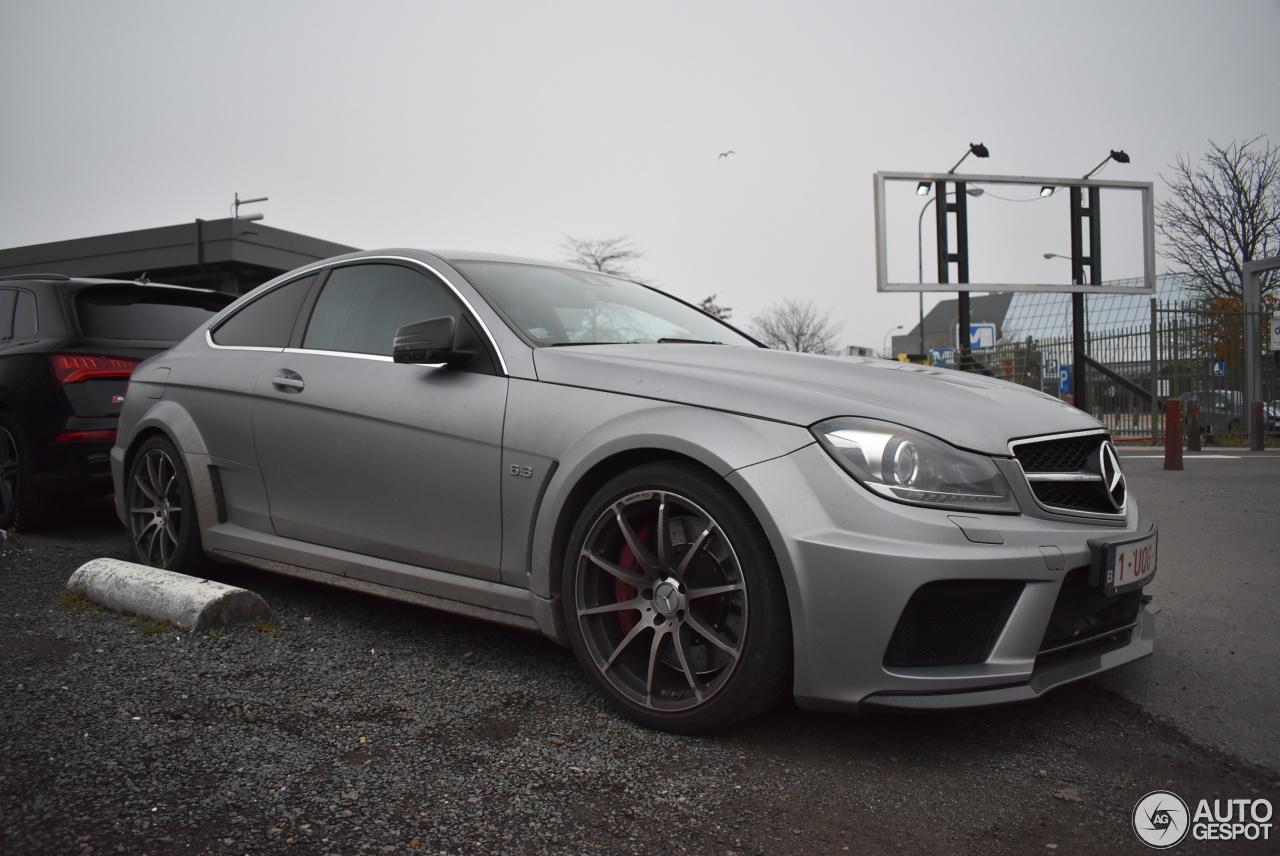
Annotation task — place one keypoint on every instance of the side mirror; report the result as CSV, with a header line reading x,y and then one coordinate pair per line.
x,y
430,341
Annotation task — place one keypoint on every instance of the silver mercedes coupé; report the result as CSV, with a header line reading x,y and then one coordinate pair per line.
x,y
709,524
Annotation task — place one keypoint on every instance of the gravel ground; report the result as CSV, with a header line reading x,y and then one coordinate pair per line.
x,y
359,725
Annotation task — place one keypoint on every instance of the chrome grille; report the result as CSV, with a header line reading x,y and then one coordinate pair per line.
x,y
1075,473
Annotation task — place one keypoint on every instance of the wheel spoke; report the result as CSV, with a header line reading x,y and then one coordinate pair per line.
x,y
631,578
681,646
660,633
605,609
663,535
710,635
708,591
695,549
146,539
626,640
642,553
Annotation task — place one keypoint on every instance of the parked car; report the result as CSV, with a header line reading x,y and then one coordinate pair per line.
x,y
67,347
708,523
1223,411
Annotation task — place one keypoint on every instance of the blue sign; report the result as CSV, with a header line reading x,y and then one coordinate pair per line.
x,y
942,357
982,335
1064,380
1218,368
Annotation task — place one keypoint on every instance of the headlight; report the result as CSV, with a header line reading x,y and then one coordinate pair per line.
x,y
908,466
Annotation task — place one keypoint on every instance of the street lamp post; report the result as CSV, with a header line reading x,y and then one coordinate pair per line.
x,y
885,345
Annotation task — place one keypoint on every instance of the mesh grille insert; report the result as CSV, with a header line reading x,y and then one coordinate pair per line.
x,y
1083,612
952,622
1067,456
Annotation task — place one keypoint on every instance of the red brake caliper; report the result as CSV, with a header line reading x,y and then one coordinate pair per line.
x,y
624,592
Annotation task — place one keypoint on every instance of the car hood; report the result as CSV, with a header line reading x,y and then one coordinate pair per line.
x,y
968,410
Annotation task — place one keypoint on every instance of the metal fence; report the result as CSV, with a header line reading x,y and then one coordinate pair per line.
x,y
1186,351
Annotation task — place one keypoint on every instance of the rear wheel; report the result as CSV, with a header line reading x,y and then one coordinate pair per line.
x,y
162,515
22,505
674,603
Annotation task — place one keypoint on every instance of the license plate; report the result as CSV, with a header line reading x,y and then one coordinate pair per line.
x,y
1127,565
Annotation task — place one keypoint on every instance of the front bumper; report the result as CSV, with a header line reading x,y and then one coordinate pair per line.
x,y
852,563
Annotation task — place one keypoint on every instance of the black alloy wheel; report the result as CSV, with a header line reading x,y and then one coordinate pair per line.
x,y
22,504
10,478
162,515
674,603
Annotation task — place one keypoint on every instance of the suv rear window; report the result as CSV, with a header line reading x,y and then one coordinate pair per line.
x,y
136,312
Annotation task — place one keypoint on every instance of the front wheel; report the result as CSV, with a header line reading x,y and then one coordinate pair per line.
x,y
162,513
673,601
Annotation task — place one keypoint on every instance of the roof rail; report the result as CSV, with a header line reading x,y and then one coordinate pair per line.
x,y
48,277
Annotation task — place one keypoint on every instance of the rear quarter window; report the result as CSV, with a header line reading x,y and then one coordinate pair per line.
x,y
157,314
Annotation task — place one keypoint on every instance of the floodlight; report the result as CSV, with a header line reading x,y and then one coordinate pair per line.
x,y
1047,190
978,150
1117,156
923,188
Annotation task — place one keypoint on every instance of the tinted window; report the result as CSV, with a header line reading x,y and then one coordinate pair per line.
x,y
268,321
25,323
557,306
7,297
129,312
361,307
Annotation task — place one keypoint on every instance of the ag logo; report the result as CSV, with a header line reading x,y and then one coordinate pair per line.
x,y
1161,819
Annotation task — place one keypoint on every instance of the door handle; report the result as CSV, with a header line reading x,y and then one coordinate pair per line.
x,y
288,381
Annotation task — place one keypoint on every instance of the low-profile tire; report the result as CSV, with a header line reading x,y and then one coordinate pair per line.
x,y
22,505
163,527
673,601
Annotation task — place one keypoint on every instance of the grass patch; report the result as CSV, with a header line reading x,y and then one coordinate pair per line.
x,y
75,601
151,626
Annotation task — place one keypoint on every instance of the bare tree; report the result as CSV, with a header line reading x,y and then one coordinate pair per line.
x,y
608,255
796,325
708,305
1223,213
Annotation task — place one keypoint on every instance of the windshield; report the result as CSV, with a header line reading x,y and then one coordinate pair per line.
x,y
556,306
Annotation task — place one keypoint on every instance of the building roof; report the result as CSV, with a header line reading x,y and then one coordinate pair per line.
x,y
232,255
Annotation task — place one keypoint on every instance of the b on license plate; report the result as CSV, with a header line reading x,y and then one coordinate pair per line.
x,y
1129,564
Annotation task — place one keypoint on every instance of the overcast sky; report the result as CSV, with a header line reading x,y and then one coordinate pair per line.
x,y
506,126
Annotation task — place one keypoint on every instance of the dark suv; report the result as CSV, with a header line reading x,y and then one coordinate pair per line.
x,y
67,347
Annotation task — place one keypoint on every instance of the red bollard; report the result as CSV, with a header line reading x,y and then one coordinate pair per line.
x,y
1193,426
1257,440
1173,434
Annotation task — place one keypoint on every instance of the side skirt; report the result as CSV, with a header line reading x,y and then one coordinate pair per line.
x,y
418,598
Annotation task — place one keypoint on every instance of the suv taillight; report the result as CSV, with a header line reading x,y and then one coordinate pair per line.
x,y
77,368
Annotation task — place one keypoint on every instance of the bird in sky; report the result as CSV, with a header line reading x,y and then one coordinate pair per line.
x,y
726,154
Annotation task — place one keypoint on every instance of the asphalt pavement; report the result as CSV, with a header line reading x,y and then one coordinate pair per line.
x,y
1213,675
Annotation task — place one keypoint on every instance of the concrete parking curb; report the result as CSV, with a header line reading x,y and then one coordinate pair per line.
x,y
188,602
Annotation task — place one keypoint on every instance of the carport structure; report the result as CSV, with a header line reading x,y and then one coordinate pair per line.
x,y
232,254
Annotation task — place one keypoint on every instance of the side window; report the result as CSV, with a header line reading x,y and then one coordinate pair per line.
x,y
361,307
7,297
25,322
268,321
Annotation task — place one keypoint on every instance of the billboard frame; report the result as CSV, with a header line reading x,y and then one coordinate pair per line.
x,y
1144,188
